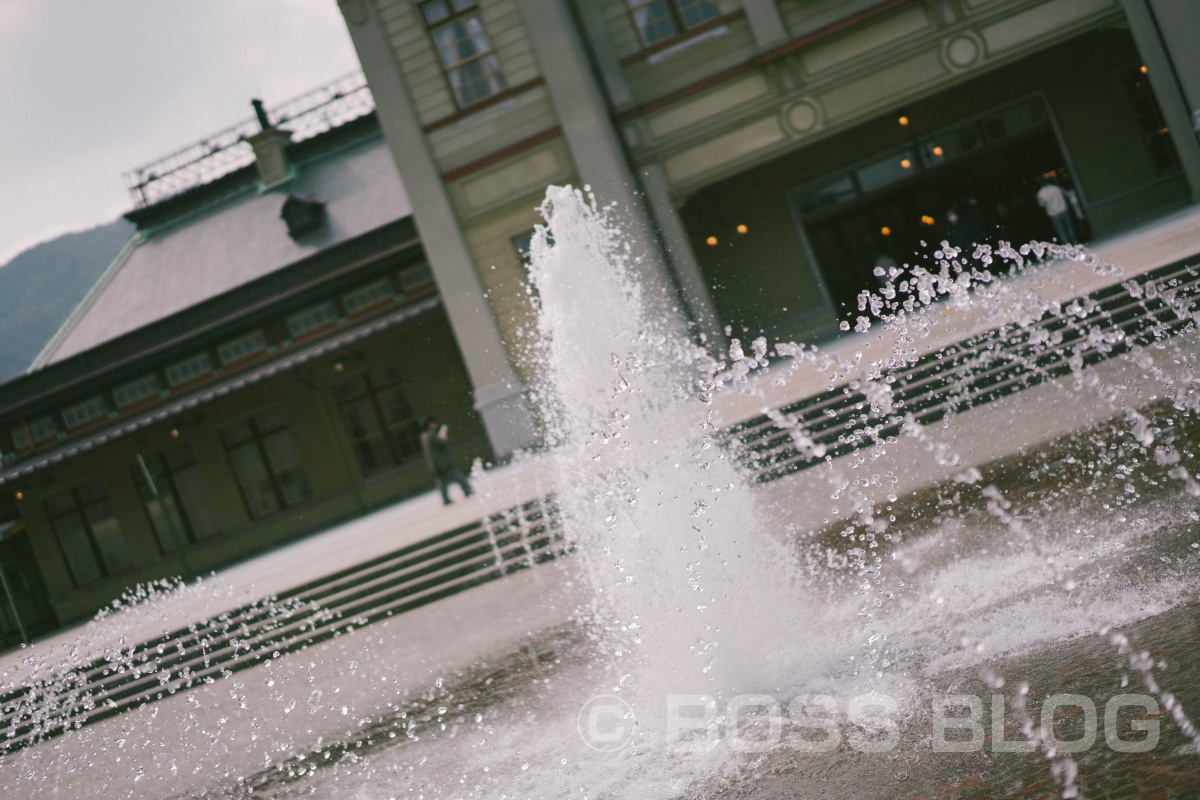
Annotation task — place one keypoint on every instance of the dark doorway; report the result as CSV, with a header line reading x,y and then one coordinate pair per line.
x,y
24,607
975,182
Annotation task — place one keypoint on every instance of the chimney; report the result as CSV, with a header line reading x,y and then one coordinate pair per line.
x,y
270,151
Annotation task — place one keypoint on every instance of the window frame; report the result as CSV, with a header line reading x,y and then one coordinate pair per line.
x,y
675,15
137,391
243,347
460,12
79,510
185,370
373,394
258,440
85,412
166,469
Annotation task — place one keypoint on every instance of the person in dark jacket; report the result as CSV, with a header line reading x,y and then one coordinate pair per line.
x,y
437,457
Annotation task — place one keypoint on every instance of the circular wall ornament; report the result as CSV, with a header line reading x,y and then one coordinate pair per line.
x,y
802,116
962,51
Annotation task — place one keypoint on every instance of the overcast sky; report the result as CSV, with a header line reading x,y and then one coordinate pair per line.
x,y
90,89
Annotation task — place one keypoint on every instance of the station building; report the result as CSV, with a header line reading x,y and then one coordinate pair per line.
x,y
772,152
252,367
304,286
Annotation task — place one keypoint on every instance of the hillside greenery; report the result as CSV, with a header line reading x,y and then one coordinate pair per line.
x,y
44,284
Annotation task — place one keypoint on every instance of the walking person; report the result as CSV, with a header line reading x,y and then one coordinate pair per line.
x,y
1057,203
437,457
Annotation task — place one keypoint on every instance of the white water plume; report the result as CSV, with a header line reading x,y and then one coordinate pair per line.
x,y
691,592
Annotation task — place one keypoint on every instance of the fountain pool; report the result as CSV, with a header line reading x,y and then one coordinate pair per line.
x,y
935,558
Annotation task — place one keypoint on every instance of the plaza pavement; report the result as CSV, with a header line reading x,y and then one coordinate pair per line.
x,y
1164,240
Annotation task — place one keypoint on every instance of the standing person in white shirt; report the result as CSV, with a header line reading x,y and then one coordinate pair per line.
x,y
1055,200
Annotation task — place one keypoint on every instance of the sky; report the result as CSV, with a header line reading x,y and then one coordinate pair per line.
x,y
90,89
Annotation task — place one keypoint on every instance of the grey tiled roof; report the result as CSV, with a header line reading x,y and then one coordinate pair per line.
x,y
231,243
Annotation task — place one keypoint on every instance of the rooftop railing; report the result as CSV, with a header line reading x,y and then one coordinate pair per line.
x,y
220,153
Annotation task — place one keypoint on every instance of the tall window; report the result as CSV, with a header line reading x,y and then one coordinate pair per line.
x,y
177,478
464,48
380,419
661,19
87,531
266,463
1150,118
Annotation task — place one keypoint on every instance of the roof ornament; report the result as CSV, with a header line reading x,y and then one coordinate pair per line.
x,y
304,216
270,151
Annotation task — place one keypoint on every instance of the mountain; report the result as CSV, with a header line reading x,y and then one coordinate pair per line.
x,y
41,287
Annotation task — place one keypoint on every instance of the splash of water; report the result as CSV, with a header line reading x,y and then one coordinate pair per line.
x,y
692,594
690,584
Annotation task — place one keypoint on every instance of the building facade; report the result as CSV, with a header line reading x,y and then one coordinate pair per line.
x,y
253,365
251,368
769,154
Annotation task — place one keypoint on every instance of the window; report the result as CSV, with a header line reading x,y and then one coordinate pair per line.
x,y
266,463
38,430
81,413
87,531
465,50
1155,132
382,424
189,368
242,347
369,295
413,277
177,477
310,319
658,20
132,392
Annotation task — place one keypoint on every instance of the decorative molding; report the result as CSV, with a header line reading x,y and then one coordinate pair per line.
x,y
488,102
775,53
802,116
690,33
963,50
502,154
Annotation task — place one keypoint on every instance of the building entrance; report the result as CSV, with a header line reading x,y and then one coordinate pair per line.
x,y
973,182
24,610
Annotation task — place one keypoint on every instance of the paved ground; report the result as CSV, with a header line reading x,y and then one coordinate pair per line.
x,y
1077,666
1145,247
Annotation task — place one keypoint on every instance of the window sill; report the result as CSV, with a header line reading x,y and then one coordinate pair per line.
x,y
705,30
485,103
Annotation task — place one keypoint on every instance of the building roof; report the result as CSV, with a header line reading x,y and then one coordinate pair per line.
x,y
176,406
229,234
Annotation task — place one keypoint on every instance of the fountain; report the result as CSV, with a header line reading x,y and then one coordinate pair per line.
x,y
951,554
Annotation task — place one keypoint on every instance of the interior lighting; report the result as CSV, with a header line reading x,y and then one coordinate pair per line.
x,y
885,230
937,150
711,241
742,229
904,162
903,121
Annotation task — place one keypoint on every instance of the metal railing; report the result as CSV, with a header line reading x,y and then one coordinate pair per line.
x,y
979,370
501,544
220,153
